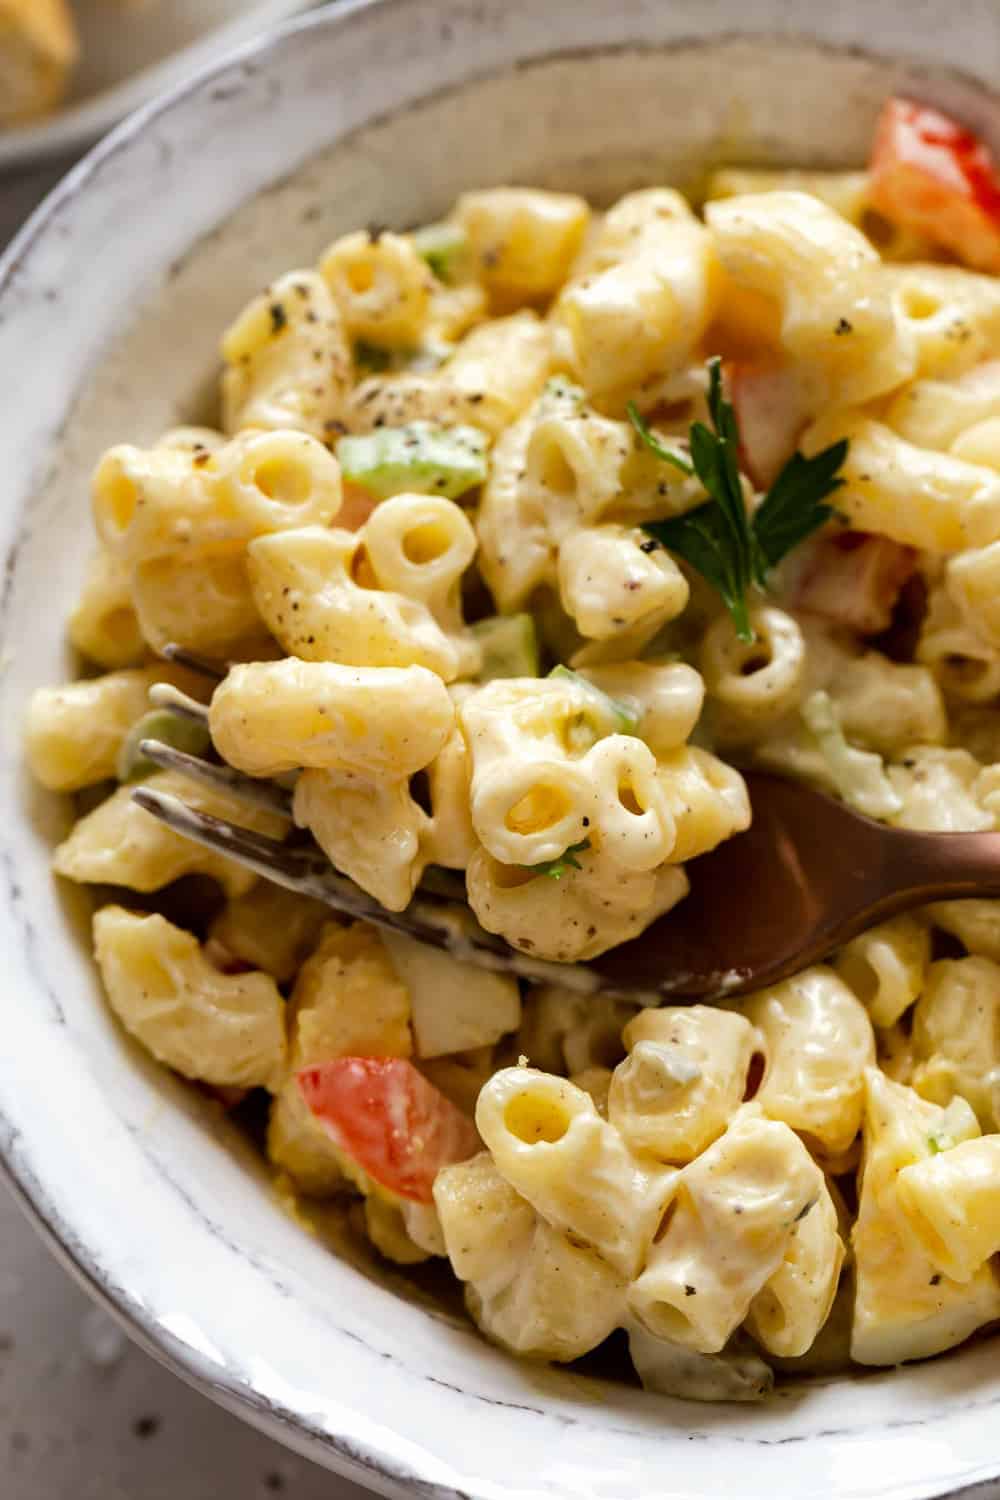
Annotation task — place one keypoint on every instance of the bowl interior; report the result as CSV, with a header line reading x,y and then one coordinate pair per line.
x,y
155,1198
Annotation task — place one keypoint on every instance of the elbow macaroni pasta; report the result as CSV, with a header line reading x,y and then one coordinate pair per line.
x,y
417,544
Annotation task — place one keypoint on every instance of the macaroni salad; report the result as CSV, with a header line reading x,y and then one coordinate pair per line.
x,y
520,534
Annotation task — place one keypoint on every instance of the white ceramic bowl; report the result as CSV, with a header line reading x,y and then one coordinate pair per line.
x,y
128,56
110,306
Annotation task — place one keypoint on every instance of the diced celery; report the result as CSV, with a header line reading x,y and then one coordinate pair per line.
x,y
509,644
169,729
600,714
421,458
443,247
858,775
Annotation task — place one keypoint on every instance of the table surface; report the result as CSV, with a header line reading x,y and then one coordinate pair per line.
x,y
84,1414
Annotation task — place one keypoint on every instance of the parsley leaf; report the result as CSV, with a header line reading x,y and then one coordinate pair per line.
x,y
555,869
703,538
718,539
652,442
792,508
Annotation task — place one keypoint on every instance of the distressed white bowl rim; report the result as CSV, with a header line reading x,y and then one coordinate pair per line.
x,y
144,1233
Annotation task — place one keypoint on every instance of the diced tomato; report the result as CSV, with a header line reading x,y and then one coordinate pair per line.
x,y
854,579
931,175
356,506
390,1120
771,412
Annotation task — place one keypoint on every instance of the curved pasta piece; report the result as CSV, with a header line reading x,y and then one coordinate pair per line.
x,y
787,1314
549,1142
886,967
904,1308
685,1077
529,1287
209,609
381,286
224,1029
305,586
103,625
522,240
287,361
728,1232
74,733
588,911
121,844
837,315
819,1042
163,501
956,1036
268,717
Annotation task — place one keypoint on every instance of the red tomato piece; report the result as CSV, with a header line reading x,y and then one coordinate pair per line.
x,y
853,579
355,508
390,1120
771,412
931,175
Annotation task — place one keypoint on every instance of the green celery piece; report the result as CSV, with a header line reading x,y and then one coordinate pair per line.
x,y
443,247
602,714
859,775
169,729
509,644
555,869
421,459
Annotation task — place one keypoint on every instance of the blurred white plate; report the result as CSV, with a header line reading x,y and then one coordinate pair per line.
x,y
131,53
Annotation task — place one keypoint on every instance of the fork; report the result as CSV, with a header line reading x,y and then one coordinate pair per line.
x,y
806,877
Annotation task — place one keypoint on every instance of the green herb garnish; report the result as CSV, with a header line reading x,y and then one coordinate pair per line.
x,y
555,869
649,440
730,549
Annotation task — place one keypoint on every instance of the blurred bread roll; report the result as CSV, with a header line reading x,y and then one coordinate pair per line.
x,y
38,47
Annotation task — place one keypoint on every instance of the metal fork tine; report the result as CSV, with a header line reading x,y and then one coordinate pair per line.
x,y
249,789
297,868
435,920
213,670
165,695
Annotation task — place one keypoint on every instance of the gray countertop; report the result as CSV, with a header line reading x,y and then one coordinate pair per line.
x,y
84,1414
